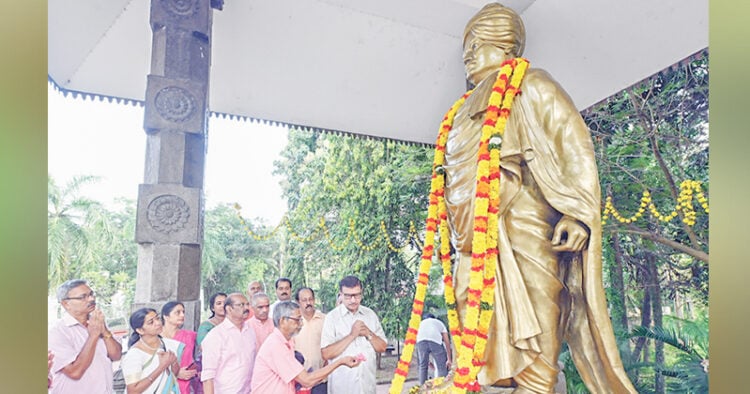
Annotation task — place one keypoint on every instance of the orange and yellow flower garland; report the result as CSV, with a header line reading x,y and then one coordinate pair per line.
x,y
484,246
437,185
484,252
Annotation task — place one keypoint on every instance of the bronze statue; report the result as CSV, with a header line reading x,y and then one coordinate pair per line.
x,y
549,274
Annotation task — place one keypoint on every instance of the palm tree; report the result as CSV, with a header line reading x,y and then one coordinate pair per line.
x,y
689,369
68,213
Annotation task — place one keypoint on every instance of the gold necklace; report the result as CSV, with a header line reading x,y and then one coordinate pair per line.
x,y
149,347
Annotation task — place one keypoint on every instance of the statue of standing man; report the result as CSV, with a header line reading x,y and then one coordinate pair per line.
x,y
548,287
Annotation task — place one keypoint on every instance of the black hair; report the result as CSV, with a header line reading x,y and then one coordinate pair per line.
x,y
350,281
137,319
429,316
282,279
296,294
211,301
168,307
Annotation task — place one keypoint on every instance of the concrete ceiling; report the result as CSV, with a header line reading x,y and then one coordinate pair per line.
x,y
382,68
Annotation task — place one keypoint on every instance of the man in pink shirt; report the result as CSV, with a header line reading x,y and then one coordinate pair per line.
x,y
229,351
253,288
82,345
276,369
261,324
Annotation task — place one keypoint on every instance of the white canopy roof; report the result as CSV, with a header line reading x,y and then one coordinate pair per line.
x,y
383,68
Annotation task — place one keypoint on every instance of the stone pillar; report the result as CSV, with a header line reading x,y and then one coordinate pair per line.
x,y
169,222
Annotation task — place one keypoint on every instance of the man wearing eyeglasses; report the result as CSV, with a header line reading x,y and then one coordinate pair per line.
x,y
82,344
352,329
229,351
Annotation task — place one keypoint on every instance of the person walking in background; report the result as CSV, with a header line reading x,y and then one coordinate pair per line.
x,y
151,363
352,329
432,339
307,340
173,317
82,345
283,292
261,324
216,305
276,368
229,351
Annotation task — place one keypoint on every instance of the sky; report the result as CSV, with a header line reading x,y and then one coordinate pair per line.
x,y
106,139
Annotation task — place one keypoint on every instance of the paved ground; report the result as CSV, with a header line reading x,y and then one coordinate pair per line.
x,y
383,388
384,375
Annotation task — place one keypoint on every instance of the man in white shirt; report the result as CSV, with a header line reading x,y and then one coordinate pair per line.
x,y
432,339
352,329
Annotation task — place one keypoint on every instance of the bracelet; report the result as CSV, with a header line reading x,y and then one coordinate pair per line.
x,y
150,378
107,335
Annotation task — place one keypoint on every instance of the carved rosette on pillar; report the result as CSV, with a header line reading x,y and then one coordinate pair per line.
x,y
169,221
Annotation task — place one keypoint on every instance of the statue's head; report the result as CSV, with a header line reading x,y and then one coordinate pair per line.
x,y
496,33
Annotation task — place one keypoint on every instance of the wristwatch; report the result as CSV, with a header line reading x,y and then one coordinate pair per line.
x,y
368,336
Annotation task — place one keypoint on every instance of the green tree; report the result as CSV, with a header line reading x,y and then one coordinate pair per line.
x,y
88,241
231,258
652,137
68,215
687,370
341,191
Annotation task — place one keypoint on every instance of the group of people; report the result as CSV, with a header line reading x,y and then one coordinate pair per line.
x,y
248,344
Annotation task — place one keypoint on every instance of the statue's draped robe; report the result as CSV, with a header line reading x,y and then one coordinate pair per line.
x,y
548,171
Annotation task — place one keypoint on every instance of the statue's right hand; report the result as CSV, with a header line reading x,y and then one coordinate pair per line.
x,y
569,235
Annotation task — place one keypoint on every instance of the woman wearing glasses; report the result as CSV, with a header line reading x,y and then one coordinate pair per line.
x,y
151,363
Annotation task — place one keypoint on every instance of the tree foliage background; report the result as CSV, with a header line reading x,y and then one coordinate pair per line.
x,y
654,136
352,187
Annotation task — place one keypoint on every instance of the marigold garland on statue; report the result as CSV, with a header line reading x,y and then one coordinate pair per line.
x,y
480,300
433,221
471,341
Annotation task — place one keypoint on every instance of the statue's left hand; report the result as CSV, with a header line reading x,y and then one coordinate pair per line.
x,y
576,232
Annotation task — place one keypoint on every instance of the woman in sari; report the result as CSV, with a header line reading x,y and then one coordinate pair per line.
x,y
173,317
150,364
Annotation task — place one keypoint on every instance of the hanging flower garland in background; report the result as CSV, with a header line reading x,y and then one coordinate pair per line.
x,y
471,342
684,204
689,190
